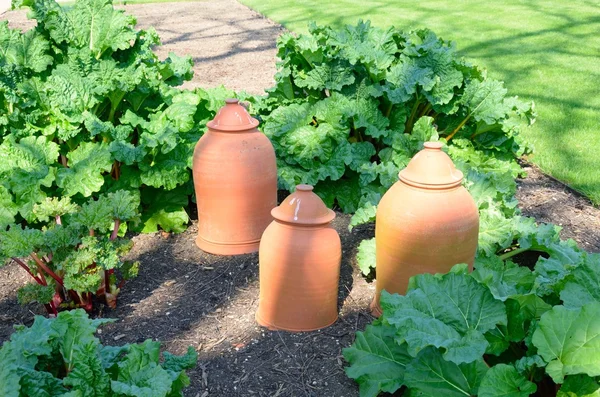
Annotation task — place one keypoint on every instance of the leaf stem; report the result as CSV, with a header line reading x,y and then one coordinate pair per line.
x,y
388,111
43,266
115,231
410,121
425,110
461,125
24,266
512,253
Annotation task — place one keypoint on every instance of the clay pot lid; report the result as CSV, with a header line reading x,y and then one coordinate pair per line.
x,y
431,168
303,207
232,117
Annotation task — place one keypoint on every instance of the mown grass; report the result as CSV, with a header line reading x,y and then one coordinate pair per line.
x,y
545,50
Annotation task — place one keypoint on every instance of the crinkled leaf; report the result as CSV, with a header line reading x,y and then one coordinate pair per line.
x,y
445,311
377,362
366,256
584,285
569,340
325,76
52,207
430,374
86,165
504,381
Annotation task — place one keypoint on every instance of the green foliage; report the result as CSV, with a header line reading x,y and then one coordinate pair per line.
x,y
62,357
352,106
502,330
72,257
86,107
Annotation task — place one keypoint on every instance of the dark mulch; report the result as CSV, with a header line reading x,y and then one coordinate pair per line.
x,y
185,297
549,200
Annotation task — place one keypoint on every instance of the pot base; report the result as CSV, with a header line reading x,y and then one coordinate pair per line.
x,y
227,249
375,309
273,327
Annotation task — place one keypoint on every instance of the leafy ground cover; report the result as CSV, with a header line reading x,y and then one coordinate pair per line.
x,y
88,108
352,106
72,259
544,51
62,357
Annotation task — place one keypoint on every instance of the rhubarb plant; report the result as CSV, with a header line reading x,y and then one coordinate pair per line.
x,y
87,107
63,357
503,330
352,105
77,254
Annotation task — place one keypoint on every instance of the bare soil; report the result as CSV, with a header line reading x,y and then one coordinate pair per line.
x,y
185,297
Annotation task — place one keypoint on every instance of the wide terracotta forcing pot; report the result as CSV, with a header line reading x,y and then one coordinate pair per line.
x,y
235,178
299,256
426,223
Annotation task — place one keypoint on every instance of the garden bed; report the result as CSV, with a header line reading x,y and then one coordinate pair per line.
x,y
185,297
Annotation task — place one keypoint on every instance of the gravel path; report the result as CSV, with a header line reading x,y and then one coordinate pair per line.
x,y
231,44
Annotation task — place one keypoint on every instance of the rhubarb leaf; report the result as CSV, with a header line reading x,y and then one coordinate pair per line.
x,y
569,340
504,381
584,286
451,311
377,362
431,375
579,386
86,165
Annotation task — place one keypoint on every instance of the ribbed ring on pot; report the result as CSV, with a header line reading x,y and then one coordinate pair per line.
x,y
303,207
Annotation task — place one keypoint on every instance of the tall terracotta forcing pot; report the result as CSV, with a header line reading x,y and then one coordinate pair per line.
x,y
426,223
300,255
235,178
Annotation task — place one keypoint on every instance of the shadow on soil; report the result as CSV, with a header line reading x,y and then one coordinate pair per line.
x,y
184,297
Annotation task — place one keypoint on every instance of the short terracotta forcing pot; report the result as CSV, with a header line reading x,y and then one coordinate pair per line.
x,y
235,179
426,223
300,255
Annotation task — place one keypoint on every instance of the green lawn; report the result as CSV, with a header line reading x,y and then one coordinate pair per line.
x,y
545,50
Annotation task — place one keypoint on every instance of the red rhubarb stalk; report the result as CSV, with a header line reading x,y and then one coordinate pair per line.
x,y
43,266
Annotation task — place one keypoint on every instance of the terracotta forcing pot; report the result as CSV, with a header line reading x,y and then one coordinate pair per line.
x,y
426,223
235,178
300,255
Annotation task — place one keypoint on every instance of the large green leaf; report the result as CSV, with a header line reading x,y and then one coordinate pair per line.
x,y
377,362
431,375
504,279
579,386
326,76
86,164
140,374
584,286
365,258
452,311
504,381
569,340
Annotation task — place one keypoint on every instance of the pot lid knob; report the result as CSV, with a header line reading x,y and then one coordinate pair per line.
x,y
303,207
431,168
232,117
